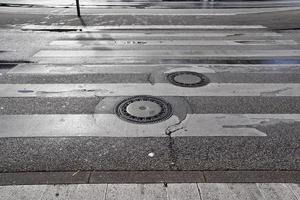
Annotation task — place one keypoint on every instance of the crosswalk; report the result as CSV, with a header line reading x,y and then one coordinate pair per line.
x,y
110,64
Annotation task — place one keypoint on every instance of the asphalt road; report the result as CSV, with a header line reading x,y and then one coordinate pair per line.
x,y
62,78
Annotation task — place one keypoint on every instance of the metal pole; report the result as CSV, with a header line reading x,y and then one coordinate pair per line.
x,y
78,8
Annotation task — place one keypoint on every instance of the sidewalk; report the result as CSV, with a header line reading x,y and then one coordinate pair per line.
x,y
191,191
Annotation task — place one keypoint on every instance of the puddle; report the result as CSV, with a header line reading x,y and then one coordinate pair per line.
x,y
203,61
25,91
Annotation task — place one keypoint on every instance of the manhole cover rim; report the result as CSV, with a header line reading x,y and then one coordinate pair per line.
x,y
165,113
204,80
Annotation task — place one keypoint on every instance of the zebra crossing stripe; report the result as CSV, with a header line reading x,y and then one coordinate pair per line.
x,y
151,12
46,69
174,35
91,43
109,125
141,27
157,89
105,69
167,53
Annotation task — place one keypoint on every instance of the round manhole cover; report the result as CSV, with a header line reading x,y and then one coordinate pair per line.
x,y
187,79
144,109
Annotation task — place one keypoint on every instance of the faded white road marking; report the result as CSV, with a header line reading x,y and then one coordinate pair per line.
x,y
142,27
104,69
167,53
93,3
158,89
95,43
109,125
174,35
65,69
152,11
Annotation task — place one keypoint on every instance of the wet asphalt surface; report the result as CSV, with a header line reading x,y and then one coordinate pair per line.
x,y
278,151
277,20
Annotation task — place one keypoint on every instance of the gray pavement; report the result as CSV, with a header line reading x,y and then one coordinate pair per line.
x,y
191,191
62,77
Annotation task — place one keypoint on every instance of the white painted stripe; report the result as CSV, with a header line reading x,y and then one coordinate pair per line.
x,y
150,11
142,27
93,2
175,12
174,35
142,60
141,69
95,43
193,3
255,68
126,11
97,60
167,53
157,89
103,69
109,125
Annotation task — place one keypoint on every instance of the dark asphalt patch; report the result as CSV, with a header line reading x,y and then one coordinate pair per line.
x,y
219,77
198,105
73,78
231,61
22,5
277,152
14,61
56,30
273,20
7,66
17,106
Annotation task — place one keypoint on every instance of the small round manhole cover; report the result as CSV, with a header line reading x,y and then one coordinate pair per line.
x,y
187,79
144,109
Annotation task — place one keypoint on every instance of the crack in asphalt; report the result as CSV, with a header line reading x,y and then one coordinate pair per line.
x,y
172,154
275,92
175,127
151,79
104,91
183,118
94,117
270,122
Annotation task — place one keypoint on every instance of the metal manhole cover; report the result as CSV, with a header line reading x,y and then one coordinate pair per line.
x,y
187,79
144,109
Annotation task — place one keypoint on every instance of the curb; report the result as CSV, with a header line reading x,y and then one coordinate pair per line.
x,y
96,177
